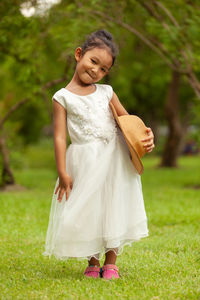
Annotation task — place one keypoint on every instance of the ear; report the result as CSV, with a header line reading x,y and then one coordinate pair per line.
x,y
78,53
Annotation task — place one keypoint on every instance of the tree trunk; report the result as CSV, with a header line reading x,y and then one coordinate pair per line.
x,y
175,135
7,175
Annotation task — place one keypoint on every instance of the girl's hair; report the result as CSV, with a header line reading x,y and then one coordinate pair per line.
x,y
100,39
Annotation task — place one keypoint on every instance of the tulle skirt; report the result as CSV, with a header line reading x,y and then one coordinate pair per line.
x,y
105,209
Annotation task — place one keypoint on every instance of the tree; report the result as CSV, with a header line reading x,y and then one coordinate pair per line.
x,y
20,62
174,37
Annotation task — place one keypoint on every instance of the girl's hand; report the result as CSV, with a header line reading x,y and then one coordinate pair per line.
x,y
65,184
149,142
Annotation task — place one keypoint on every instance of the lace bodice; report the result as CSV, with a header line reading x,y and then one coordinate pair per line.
x,y
89,117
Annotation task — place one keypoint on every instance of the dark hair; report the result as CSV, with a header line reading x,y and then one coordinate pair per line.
x,y
100,39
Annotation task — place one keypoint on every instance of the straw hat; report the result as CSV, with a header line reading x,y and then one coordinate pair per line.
x,y
133,130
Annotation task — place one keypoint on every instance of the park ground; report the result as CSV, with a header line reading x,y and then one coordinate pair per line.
x,y
164,265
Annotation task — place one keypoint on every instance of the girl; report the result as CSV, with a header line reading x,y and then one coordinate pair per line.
x,y
97,206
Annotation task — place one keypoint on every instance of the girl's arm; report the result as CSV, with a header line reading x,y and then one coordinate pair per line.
x,y
118,106
60,145
60,135
148,142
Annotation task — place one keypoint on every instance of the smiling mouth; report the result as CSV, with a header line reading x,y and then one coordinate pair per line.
x,y
90,75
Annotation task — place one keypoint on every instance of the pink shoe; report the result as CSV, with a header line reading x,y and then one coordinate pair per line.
x,y
92,271
109,271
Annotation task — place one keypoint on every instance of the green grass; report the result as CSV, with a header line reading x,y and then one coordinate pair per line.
x,y
165,265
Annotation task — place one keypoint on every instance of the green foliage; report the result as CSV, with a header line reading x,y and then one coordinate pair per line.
x,y
33,122
33,51
196,121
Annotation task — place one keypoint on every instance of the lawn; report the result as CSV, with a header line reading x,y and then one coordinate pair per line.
x,y
165,265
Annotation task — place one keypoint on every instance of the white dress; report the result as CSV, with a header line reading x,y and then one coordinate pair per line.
x,y
105,209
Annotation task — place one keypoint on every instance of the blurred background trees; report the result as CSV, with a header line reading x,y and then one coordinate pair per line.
x,y
156,75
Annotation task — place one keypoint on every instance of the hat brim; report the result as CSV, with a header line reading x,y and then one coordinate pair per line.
x,y
134,156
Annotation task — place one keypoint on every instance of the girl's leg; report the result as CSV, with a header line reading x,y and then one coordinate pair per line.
x,y
110,257
109,269
93,269
94,261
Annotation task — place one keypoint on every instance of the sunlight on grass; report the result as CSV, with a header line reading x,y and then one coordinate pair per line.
x,y
164,265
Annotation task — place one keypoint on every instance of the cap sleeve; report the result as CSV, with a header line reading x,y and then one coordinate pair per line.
x,y
59,97
109,92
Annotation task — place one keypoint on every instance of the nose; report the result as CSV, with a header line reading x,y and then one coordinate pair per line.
x,y
95,71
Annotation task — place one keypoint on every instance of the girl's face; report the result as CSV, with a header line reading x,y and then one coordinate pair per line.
x,y
93,65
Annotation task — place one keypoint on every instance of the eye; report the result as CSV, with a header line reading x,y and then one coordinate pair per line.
x,y
103,70
93,61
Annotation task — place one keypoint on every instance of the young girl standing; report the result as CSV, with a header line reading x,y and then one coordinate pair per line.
x,y
97,206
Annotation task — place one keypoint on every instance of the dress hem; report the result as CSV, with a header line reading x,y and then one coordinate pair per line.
x,y
99,255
